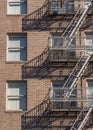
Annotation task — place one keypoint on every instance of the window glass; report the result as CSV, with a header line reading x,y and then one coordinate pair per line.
x,y
59,93
16,95
90,92
17,6
17,47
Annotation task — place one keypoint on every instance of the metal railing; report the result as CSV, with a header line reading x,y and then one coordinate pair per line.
x,y
31,18
78,96
79,93
33,116
61,7
32,65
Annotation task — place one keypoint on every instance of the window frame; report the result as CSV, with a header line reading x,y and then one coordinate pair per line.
x,y
16,97
21,48
74,94
88,43
16,3
88,94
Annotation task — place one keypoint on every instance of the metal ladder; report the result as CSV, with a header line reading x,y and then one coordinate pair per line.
x,y
75,24
76,74
69,35
79,123
77,71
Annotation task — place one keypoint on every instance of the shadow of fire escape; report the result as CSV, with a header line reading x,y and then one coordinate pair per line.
x,y
42,118
39,66
41,20
38,20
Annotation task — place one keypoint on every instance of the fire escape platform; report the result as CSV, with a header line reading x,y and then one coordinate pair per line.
x,y
72,110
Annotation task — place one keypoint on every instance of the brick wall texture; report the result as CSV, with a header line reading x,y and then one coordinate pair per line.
x,y
36,42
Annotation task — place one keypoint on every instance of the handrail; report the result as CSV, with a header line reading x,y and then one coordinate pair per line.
x,y
41,8
33,115
45,52
29,19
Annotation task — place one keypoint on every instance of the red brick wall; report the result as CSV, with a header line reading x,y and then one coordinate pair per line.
x,y
36,42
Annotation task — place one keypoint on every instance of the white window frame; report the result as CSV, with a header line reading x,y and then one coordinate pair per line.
x,y
16,97
90,44
16,3
87,92
18,35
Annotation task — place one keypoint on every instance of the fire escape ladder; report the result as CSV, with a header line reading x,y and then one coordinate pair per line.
x,y
75,24
76,74
79,122
68,36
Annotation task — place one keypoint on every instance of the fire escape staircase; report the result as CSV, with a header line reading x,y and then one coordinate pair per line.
x,y
79,122
31,118
75,24
68,36
77,71
76,74
35,65
31,20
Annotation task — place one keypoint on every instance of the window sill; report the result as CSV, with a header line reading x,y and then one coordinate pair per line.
x,y
15,62
14,111
16,14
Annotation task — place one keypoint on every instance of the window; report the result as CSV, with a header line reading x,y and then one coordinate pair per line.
x,y
58,7
62,7
90,92
58,92
57,42
16,47
16,95
16,6
70,7
89,41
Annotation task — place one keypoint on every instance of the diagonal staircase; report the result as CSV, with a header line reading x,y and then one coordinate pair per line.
x,y
37,115
76,74
33,65
68,36
79,122
35,17
75,24
78,70
33,116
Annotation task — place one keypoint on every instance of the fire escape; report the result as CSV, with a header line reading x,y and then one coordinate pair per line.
x,y
45,116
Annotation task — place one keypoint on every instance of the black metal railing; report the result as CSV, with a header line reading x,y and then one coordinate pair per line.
x,y
32,65
79,95
33,116
34,17
44,17
41,118
58,7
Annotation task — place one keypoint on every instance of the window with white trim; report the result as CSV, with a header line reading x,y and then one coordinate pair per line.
x,y
89,85
16,95
89,41
16,47
16,6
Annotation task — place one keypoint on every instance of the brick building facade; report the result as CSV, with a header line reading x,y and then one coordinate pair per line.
x,y
22,90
